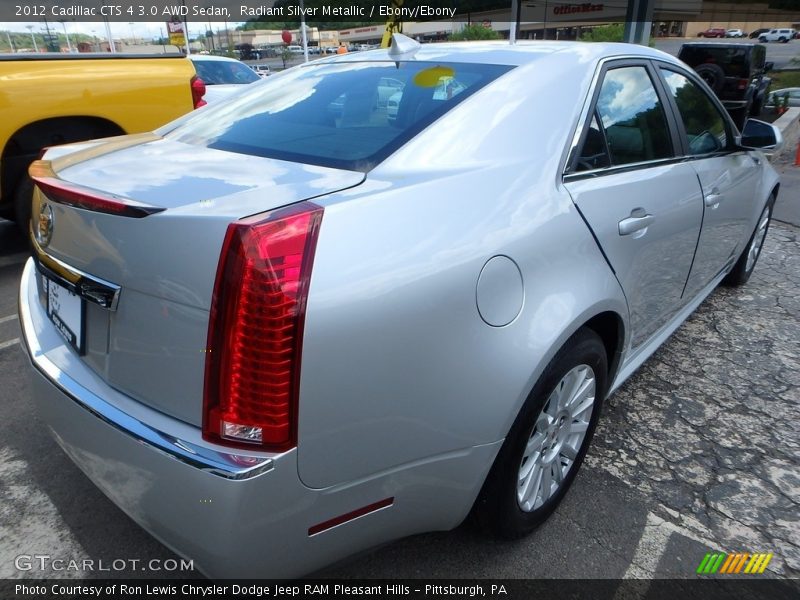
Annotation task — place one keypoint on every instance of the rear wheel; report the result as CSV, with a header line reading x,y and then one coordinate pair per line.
x,y
546,445
746,264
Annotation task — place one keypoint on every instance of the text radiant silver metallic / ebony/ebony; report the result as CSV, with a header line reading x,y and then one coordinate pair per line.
x,y
296,325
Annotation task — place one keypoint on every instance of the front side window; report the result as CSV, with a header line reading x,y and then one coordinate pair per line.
x,y
703,122
632,117
347,115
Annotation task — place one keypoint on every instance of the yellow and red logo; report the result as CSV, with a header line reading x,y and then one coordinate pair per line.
x,y
734,564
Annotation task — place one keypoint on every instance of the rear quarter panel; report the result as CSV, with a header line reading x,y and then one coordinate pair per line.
x,y
398,366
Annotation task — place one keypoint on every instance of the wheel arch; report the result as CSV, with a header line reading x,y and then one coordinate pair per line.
x,y
609,326
24,145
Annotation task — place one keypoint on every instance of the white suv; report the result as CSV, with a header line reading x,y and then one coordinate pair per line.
x,y
777,35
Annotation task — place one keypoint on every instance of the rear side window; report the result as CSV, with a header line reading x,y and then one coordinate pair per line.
x,y
593,154
346,115
220,72
703,122
632,117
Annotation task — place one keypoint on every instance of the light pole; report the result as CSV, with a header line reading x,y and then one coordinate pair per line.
x,y
35,46
64,25
133,33
10,43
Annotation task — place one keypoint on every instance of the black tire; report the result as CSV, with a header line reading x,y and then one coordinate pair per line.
x,y
23,197
497,509
713,75
742,271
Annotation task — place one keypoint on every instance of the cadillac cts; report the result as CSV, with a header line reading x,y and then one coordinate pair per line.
x,y
292,326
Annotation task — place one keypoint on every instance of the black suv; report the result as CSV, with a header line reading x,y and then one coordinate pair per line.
x,y
735,72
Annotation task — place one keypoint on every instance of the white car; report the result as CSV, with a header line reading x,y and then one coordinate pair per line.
x,y
223,76
778,95
734,33
261,70
777,35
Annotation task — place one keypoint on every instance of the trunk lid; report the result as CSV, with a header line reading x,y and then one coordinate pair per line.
x,y
152,345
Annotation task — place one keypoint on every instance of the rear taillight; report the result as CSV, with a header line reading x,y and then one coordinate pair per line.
x,y
198,91
743,83
255,329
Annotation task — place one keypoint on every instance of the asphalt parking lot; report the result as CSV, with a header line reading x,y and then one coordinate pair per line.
x,y
697,452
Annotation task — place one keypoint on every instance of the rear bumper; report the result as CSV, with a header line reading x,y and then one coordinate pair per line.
x,y
235,515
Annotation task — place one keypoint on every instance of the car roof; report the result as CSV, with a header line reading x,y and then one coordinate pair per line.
x,y
504,53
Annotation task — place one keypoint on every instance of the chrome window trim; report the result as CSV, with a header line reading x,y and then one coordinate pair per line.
x,y
220,464
614,169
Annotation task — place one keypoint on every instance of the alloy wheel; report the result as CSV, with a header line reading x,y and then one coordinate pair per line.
x,y
556,438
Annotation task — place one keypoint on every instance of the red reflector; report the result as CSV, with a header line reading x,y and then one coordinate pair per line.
x,y
359,512
743,83
198,91
256,329
71,194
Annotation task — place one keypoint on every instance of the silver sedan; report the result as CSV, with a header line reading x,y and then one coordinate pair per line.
x,y
293,326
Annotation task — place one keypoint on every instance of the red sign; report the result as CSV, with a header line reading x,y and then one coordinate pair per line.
x,y
286,36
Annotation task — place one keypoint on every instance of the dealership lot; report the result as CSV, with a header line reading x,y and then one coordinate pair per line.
x,y
697,452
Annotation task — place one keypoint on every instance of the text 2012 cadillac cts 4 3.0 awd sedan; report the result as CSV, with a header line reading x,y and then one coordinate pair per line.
x,y
288,327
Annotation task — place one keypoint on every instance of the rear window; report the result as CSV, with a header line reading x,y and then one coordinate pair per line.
x,y
346,115
220,72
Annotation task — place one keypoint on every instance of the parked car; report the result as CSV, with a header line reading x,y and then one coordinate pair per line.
x,y
735,33
285,338
777,35
793,95
262,70
713,32
754,34
736,73
223,76
295,49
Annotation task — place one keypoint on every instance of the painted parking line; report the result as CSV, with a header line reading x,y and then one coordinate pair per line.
x,y
31,524
9,343
7,319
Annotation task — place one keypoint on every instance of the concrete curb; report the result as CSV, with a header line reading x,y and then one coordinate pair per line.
x,y
789,124
787,208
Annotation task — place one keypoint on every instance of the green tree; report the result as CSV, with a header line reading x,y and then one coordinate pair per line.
x,y
605,33
474,32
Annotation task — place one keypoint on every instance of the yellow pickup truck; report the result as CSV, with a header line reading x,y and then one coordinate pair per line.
x,y
51,99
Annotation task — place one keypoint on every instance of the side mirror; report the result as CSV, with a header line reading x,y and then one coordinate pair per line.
x,y
760,135
768,66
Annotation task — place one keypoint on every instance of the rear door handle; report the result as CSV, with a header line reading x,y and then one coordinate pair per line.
x,y
637,222
712,198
